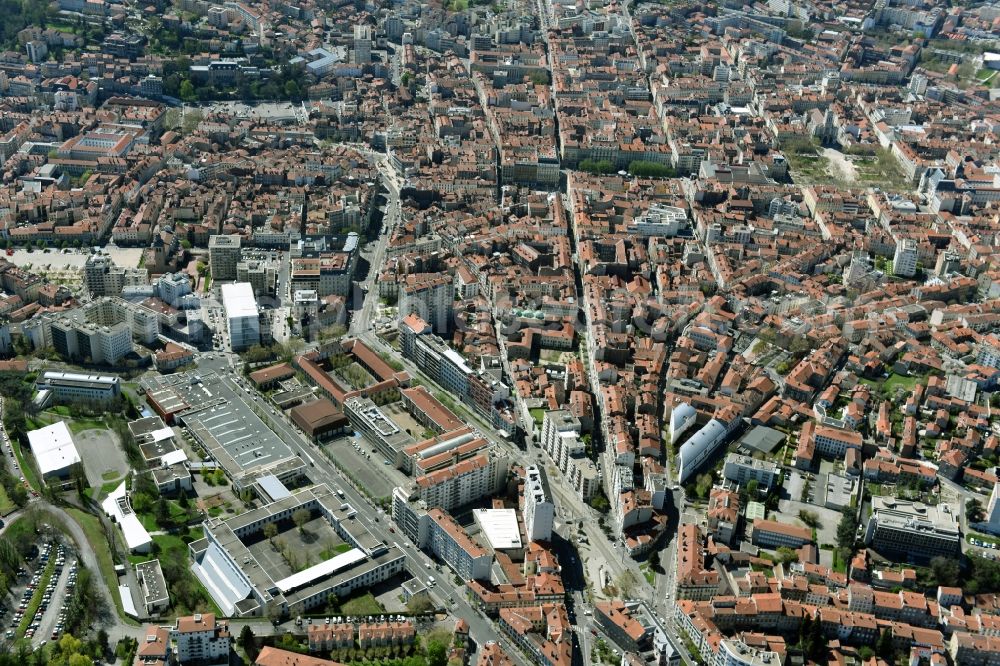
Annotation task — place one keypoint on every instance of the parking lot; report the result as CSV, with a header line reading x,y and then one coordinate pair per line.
x,y
102,459
40,596
356,457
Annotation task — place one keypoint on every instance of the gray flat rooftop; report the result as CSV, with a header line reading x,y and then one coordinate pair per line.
x,y
154,587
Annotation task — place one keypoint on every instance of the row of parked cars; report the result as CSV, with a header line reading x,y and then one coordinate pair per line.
x,y
70,584
29,593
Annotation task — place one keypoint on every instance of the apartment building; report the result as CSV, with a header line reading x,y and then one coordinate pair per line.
x,y
223,256
904,260
539,511
742,469
464,482
431,297
201,638
154,647
450,544
102,277
261,274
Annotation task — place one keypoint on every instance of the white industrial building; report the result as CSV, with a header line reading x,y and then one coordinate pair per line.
x,y
54,450
117,507
700,448
242,317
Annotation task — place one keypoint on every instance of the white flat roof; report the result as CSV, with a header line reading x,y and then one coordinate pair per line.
x,y
173,457
53,448
317,571
500,527
136,536
238,300
161,434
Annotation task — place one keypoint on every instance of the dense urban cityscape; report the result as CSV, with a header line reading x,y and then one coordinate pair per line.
x,y
500,333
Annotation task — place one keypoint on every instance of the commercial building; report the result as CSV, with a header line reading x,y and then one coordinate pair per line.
x,y
913,531
320,420
72,387
202,638
742,469
500,528
102,277
369,420
659,220
734,652
242,316
245,578
155,598
54,450
450,544
223,256
260,273
696,451
539,511
223,424
772,534
362,45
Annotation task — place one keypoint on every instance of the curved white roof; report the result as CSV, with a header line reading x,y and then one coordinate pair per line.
x,y
681,418
699,447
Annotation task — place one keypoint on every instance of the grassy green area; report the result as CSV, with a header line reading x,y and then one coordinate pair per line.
x,y
91,527
339,549
79,425
27,467
6,505
366,604
986,538
36,598
648,574
538,414
808,167
167,541
894,382
839,564
879,169
61,410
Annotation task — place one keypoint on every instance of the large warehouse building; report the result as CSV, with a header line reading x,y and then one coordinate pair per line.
x,y
54,450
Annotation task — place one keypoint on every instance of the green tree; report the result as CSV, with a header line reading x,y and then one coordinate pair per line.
x,y
161,512
884,647
248,642
186,91
752,487
974,511
643,168
786,555
292,90
300,518
270,531
703,485
946,570
437,653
